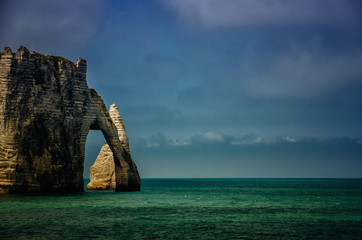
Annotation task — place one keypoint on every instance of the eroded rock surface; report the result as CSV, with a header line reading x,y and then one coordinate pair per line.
x,y
102,175
46,112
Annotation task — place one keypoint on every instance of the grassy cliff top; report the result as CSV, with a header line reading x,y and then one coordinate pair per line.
x,y
37,55
48,57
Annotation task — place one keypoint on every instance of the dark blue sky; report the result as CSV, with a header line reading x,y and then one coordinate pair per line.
x,y
208,88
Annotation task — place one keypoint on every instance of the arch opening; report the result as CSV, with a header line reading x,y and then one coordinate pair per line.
x,y
113,168
94,143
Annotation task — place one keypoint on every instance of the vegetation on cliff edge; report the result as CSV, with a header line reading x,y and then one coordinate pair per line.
x,y
43,57
54,58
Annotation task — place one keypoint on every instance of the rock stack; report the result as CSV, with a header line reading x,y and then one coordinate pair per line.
x,y
102,175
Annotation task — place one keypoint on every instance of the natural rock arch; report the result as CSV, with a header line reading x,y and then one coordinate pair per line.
x,y
102,173
46,112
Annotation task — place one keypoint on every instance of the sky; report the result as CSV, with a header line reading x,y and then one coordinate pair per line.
x,y
210,88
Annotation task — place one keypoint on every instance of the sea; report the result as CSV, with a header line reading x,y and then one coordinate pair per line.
x,y
192,209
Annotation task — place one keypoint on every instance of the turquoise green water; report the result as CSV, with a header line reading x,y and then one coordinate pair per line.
x,y
193,209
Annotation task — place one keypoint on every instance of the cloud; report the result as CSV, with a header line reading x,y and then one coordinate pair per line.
x,y
252,156
161,140
211,136
244,13
177,143
247,156
281,64
48,25
290,139
304,73
247,140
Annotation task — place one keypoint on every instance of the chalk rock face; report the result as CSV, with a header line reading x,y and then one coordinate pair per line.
x,y
102,176
46,112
